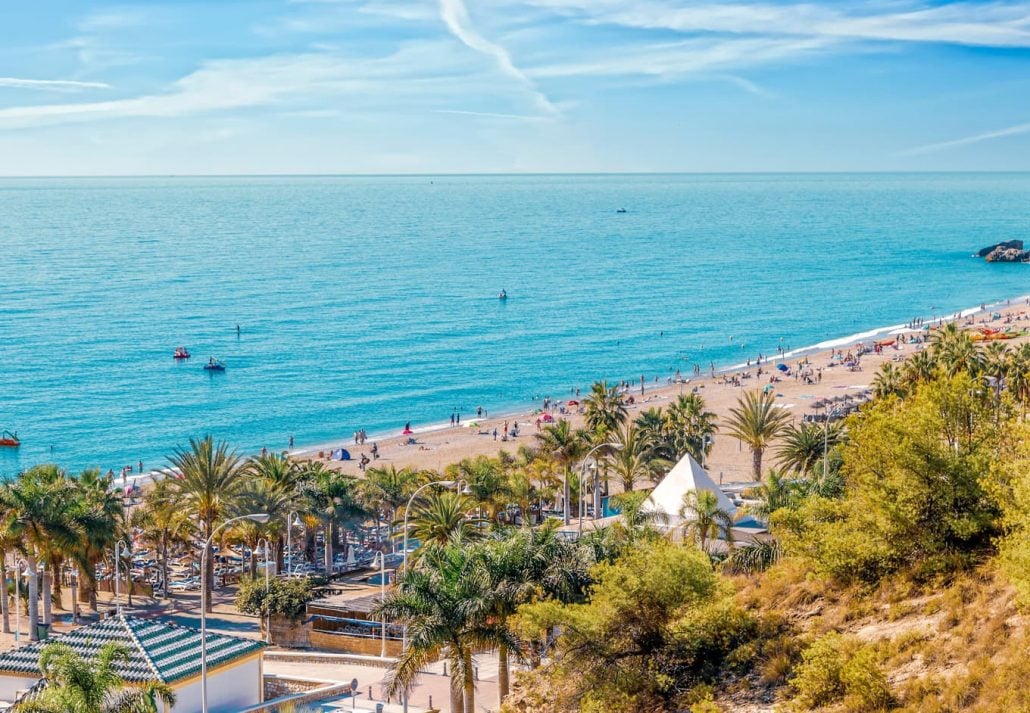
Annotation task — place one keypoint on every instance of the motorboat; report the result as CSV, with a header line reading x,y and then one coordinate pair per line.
x,y
9,439
621,210
214,365
181,353
502,295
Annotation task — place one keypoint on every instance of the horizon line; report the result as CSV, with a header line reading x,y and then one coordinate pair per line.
x,y
448,174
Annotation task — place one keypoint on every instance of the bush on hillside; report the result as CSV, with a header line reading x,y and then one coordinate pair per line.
x,y
839,669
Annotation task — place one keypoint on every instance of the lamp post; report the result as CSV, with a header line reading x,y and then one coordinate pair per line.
x,y
259,518
404,554
117,594
292,519
382,596
268,614
599,446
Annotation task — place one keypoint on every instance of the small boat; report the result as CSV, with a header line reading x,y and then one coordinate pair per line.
x,y
214,365
621,210
9,439
181,353
502,295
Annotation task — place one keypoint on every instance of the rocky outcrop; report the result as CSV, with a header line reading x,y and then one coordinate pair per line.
x,y
1007,251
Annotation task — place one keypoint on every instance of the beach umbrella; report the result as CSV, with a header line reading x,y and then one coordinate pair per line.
x,y
783,367
547,418
572,402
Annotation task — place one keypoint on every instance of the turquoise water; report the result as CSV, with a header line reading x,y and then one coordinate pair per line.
x,y
369,302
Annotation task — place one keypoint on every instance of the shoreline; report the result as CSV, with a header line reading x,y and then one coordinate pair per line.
x,y
429,435
440,444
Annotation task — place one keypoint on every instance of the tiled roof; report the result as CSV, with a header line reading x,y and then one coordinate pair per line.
x,y
158,651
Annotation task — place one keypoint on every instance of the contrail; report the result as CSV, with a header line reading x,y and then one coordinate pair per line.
x,y
455,15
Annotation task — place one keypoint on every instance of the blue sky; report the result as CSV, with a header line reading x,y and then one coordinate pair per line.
x,y
385,86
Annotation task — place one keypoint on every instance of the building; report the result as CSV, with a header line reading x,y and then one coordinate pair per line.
x,y
158,652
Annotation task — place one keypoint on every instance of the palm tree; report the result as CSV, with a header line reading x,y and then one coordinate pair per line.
x,y
100,518
704,519
563,445
276,498
776,493
208,487
803,446
605,408
996,360
37,508
634,461
334,499
691,427
652,425
955,350
445,603
91,685
1019,374
918,369
756,421
440,517
888,381
487,482
163,525
386,490
753,557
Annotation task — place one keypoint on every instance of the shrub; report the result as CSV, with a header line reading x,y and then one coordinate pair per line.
x,y
837,669
285,597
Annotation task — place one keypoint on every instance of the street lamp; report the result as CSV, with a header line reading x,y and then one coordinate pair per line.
x,y
596,485
259,518
382,595
292,520
117,594
404,555
268,614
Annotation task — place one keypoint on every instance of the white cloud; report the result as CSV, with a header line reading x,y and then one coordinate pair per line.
x,y
492,115
56,85
994,24
966,141
455,15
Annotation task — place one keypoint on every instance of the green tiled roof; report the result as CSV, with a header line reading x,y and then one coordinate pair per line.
x,y
158,651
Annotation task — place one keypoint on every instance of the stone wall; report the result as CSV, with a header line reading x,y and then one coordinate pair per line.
x,y
294,701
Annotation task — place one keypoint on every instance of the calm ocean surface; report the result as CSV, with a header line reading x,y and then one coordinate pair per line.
x,y
369,302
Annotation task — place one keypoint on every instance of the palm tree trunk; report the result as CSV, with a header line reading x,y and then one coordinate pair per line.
x,y
164,568
48,617
470,684
567,498
33,607
57,568
329,549
5,604
457,704
502,673
756,463
253,564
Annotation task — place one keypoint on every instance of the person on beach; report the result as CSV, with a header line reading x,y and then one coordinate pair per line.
x,y
452,420
375,451
140,466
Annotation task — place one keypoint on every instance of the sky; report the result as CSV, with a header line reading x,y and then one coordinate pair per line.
x,y
465,86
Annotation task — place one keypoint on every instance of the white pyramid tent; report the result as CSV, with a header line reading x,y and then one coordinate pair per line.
x,y
667,498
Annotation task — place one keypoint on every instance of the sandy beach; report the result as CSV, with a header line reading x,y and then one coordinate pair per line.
x,y
729,461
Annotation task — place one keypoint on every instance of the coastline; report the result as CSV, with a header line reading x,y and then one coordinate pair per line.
x,y
440,444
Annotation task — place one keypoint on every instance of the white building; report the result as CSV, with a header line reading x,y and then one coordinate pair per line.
x,y
158,652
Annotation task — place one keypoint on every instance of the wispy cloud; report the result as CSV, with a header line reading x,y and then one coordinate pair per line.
x,y
54,85
967,140
994,24
493,115
455,15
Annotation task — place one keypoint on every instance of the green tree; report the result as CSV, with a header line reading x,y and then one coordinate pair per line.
x,y
704,520
386,490
605,408
441,517
444,601
563,445
757,421
691,427
803,446
91,685
163,525
210,481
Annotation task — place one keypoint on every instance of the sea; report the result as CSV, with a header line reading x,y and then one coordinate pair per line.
x,y
372,302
